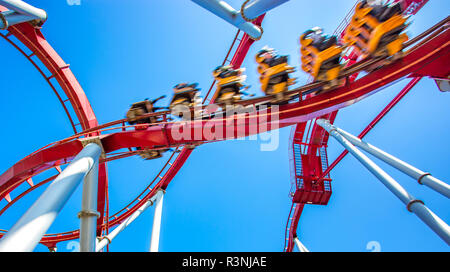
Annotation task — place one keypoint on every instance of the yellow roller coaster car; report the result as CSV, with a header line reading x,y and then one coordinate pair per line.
x,y
321,55
185,94
377,29
274,73
230,83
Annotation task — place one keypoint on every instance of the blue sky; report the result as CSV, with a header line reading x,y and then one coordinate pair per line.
x,y
229,196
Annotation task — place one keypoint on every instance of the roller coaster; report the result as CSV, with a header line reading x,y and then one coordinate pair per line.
x,y
370,41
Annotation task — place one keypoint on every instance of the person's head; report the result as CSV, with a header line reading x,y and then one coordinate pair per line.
x,y
317,29
265,53
374,2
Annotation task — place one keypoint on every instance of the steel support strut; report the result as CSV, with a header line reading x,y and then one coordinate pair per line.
x,y
28,231
108,239
422,177
19,12
413,205
89,214
300,246
154,243
234,17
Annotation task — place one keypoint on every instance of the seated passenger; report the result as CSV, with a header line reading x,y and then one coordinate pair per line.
x,y
226,71
320,41
141,108
269,57
229,84
185,95
383,12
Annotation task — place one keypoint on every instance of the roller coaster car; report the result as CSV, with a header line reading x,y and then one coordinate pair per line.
x,y
141,108
229,84
274,74
185,94
377,30
321,56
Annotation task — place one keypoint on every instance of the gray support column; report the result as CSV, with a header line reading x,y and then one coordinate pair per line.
x,y
154,243
28,231
89,214
413,205
300,246
422,177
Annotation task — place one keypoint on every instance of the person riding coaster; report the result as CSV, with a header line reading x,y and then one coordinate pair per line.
x,y
185,95
274,73
141,108
381,11
133,118
230,85
321,56
376,29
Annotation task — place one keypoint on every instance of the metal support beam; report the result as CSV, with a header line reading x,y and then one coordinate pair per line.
x,y
300,246
89,214
28,231
109,238
154,243
234,17
19,12
375,121
413,205
422,177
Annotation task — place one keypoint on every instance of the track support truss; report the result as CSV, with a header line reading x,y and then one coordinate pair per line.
x,y
413,205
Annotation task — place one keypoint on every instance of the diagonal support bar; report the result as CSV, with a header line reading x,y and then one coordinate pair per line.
x,y
109,238
28,231
234,17
154,244
422,177
413,205
375,121
300,246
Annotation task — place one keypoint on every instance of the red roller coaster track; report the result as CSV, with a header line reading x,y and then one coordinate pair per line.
x,y
424,54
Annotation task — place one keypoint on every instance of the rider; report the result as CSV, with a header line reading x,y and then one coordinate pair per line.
x,y
382,11
268,56
320,41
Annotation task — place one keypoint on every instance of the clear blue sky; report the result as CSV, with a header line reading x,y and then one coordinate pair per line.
x,y
229,196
